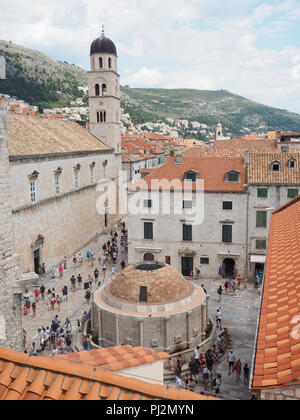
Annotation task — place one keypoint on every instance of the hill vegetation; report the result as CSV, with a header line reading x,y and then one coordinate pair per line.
x,y
45,82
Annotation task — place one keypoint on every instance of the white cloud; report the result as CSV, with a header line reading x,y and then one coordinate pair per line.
x,y
171,43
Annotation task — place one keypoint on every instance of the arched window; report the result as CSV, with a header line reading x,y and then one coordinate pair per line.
x,y
101,62
275,167
109,63
104,89
233,176
292,164
97,90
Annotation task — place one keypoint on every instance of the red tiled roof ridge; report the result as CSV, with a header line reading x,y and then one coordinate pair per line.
x,y
32,380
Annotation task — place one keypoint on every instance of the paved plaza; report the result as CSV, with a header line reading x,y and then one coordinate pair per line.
x,y
240,312
240,315
76,304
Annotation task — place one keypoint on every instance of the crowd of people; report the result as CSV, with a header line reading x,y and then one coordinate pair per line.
x,y
57,338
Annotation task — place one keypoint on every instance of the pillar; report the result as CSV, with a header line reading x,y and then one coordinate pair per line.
x,y
167,334
203,320
141,324
189,329
117,332
207,310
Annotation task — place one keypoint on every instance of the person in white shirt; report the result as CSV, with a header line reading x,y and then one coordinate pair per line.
x,y
231,361
178,383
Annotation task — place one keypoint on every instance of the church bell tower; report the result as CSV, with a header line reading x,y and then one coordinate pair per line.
x,y
104,93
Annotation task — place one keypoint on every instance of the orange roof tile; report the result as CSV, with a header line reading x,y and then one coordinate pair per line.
x,y
278,343
212,170
115,358
24,377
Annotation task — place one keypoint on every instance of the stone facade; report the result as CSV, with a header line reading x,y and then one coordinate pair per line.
x,y
11,333
206,248
60,222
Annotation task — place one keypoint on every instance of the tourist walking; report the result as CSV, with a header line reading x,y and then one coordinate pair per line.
x,y
220,293
238,371
231,362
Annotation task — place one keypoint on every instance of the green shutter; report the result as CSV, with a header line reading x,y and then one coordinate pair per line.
x,y
262,193
261,219
292,193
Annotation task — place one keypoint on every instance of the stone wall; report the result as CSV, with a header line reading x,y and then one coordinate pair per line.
x,y
10,302
291,393
207,236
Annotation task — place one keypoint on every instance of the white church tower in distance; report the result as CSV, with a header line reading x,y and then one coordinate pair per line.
x,y
104,93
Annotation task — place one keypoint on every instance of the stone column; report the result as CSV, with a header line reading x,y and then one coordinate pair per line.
x,y
189,329
167,334
141,322
203,321
117,332
99,326
207,309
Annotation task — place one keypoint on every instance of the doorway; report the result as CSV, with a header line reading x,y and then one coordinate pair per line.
x,y
106,219
229,267
187,266
36,258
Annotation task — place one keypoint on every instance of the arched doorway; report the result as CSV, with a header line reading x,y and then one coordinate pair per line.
x,y
229,267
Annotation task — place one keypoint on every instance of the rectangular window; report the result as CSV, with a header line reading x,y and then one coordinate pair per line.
x,y
292,193
168,260
76,179
92,175
57,189
262,193
204,261
187,232
261,219
261,244
148,204
148,230
227,205
33,191
227,234
187,204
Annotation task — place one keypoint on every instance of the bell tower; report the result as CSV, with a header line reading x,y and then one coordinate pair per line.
x,y
104,93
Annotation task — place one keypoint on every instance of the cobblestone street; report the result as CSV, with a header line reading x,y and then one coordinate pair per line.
x,y
76,304
240,314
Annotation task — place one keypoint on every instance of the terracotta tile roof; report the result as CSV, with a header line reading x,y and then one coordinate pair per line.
x,y
277,361
243,145
212,170
259,168
116,358
37,136
24,377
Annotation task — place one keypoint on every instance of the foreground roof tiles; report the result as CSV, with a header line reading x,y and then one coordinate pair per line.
x,y
28,136
277,361
115,358
24,377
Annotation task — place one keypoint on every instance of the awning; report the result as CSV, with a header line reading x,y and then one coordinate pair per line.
x,y
258,259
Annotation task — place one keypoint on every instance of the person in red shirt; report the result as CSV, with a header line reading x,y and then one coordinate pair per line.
x,y
239,282
36,295
61,270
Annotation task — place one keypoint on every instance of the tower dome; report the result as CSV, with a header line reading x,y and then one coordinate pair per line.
x,y
103,45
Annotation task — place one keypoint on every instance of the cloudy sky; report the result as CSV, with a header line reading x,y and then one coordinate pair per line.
x,y
249,47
